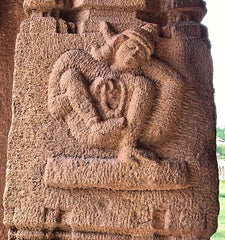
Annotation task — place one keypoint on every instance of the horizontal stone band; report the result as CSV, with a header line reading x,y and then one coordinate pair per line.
x,y
69,173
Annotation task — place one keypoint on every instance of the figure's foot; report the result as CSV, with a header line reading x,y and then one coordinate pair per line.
x,y
139,156
92,121
108,127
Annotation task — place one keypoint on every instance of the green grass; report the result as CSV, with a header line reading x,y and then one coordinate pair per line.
x,y
220,234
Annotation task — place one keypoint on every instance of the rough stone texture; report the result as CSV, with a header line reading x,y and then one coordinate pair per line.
x,y
113,132
11,15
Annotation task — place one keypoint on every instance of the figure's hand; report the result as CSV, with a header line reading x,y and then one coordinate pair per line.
x,y
118,113
106,30
94,51
68,77
109,126
60,107
110,114
113,113
98,84
103,25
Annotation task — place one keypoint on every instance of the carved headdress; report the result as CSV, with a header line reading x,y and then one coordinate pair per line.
x,y
145,35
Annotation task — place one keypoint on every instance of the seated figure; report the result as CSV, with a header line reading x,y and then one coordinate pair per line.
x,y
115,99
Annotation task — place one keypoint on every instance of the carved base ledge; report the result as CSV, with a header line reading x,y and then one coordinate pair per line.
x,y
69,173
16,234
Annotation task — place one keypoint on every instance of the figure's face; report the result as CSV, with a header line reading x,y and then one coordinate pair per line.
x,y
130,55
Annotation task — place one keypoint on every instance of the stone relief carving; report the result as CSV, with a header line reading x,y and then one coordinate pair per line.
x,y
107,91
118,156
108,102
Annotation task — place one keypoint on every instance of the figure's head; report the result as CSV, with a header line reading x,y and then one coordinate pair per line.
x,y
137,48
129,50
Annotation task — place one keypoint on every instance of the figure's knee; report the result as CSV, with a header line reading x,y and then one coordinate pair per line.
x,y
71,78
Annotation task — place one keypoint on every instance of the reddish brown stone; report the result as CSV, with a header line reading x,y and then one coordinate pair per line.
x,y
113,131
11,15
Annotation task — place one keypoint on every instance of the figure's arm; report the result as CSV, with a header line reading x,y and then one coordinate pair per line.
x,y
74,85
171,86
59,106
162,72
106,30
105,52
58,102
64,94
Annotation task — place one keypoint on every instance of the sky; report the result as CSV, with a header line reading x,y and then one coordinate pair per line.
x,y
215,20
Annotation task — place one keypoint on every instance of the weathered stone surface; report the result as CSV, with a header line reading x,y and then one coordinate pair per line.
x,y
11,15
116,175
113,132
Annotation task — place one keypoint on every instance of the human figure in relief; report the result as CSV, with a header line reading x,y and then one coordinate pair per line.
x,y
125,54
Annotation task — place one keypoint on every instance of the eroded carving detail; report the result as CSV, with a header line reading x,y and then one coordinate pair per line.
x,y
107,101
108,93
122,159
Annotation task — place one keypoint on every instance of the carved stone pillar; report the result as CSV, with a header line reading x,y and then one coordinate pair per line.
x,y
113,132
11,15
